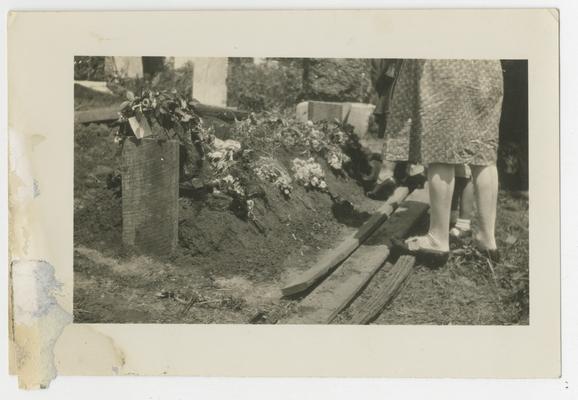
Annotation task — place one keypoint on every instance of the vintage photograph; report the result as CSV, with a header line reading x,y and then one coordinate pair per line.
x,y
301,191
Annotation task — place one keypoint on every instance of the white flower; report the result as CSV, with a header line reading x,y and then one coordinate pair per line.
x,y
216,155
309,173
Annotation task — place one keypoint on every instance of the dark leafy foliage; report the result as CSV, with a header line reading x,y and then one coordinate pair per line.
x,y
278,84
89,68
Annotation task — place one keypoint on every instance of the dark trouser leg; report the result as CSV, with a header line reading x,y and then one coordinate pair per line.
x,y
381,124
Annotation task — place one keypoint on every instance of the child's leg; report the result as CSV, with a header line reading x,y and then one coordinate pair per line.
x,y
462,176
456,198
380,119
385,183
464,198
467,201
386,172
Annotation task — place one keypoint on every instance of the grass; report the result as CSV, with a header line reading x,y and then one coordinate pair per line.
x,y
470,290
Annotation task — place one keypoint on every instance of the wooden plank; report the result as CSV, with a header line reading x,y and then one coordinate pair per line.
x,y
334,294
150,195
222,113
110,114
332,258
395,278
323,304
98,115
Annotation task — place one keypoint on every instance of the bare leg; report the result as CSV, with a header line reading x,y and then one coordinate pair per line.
x,y
441,183
387,171
486,192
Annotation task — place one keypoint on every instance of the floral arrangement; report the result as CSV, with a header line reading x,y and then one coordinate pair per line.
x,y
309,173
252,149
229,185
173,113
268,170
326,140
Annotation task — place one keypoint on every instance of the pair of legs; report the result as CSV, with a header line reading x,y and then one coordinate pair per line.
x,y
441,182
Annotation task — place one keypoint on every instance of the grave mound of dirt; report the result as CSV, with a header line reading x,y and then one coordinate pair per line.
x,y
217,242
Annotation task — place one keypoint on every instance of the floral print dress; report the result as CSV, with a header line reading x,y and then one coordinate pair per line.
x,y
445,111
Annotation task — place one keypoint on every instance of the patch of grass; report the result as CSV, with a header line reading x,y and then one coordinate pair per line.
x,y
470,290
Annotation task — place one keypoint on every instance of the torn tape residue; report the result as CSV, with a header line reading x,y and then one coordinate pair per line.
x,y
37,321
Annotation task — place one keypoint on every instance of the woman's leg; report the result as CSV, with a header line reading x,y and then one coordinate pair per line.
x,y
441,187
486,192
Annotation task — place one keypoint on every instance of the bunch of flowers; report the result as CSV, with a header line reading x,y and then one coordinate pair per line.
x,y
259,131
316,140
173,114
336,159
309,173
268,170
222,153
284,185
326,139
229,185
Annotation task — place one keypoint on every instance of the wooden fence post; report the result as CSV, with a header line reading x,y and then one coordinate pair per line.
x,y
150,194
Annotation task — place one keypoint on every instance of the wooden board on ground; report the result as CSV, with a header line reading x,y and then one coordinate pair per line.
x,y
98,115
323,304
110,114
332,258
368,310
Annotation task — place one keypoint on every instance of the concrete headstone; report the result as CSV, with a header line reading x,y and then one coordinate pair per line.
x,y
209,78
130,67
357,114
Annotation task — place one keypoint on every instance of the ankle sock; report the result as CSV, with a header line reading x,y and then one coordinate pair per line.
x,y
463,224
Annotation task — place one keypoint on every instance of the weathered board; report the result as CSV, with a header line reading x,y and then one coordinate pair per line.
x,y
110,114
396,276
150,194
97,115
330,297
323,304
332,258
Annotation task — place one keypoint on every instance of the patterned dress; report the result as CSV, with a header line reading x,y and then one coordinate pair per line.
x,y
445,111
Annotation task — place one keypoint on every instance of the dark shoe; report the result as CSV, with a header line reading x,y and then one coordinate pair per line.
x,y
431,258
491,254
383,190
375,164
416,181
